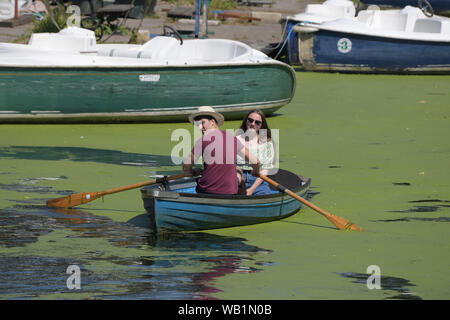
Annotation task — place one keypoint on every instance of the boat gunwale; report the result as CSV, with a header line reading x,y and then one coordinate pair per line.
x,y
366,32
174,114
163,64
175,196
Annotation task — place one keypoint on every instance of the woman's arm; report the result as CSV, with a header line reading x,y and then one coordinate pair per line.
x,y
257,183
266,155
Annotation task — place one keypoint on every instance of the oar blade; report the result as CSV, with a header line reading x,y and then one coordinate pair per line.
x,y
339,222
73,200
342,224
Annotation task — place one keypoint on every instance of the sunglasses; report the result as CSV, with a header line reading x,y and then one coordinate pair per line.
x,y
257,122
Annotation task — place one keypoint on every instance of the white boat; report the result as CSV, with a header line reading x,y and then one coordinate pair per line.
x,y
437,6
378,41
164,79
314,14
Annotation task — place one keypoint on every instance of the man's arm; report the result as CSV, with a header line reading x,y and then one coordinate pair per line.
x,y
188,166
188,163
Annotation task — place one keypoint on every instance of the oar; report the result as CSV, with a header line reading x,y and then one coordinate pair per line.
x,y
339,222
85,197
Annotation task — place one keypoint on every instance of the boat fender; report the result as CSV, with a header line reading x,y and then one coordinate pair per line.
x,y
304,29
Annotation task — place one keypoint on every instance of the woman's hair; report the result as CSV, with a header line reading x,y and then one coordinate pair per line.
x,y
264,124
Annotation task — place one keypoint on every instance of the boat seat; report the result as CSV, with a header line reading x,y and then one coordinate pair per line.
x,y
123,50
159,48
71,39
428,26
6,9
187,185
332,9
169,49
212,50
387,20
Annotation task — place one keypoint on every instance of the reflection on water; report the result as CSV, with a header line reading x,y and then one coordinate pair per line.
x,y
134,264
388,283
80,154
436,205
408,219
23,186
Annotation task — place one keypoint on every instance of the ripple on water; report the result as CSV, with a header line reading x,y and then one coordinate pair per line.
x,y
171,266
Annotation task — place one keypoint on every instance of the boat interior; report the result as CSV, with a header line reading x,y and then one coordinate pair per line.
x,y
329,10
187,186
77,40
341,13
408,19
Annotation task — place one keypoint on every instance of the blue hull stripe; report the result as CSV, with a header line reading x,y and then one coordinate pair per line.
x,y
380,53
172,215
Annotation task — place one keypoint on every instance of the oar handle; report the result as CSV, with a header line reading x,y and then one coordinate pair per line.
x,y
143,184
76,199
292,194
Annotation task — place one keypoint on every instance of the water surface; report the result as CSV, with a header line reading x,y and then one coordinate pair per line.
x,y
378,152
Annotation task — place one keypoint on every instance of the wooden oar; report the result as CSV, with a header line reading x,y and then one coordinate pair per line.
x,y
339,222
85,197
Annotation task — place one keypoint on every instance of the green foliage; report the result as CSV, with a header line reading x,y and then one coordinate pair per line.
x,y
223,4
181,2
213,4
47,24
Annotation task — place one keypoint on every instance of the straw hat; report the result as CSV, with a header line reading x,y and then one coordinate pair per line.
x,y
207,111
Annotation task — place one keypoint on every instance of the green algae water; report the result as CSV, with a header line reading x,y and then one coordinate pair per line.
x,y
377,149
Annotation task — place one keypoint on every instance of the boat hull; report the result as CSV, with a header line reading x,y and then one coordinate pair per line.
x,y
147,94
346,52
180,211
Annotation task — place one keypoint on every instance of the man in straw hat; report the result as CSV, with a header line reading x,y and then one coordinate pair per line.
x,y
219,150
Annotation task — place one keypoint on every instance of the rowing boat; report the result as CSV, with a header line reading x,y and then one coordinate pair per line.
x,y
175,206
163,80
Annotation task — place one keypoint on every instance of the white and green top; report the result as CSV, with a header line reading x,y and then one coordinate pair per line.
x,y
263,151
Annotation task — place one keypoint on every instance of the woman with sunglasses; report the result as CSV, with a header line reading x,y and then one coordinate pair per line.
x,y
255,134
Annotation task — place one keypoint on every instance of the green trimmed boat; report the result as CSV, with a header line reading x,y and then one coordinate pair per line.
x,y
68,77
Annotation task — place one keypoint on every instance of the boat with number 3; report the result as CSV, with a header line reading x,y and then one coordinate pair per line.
x,y
336,37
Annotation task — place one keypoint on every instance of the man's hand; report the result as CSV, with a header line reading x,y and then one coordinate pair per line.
x,y
197,171
255,169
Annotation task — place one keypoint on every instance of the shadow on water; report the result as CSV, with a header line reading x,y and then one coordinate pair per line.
x,y
309,195
388,283
142,265
80,154
31,186
436,205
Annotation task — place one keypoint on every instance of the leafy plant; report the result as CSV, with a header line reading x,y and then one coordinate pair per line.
x,y
223,4
52,21
213,4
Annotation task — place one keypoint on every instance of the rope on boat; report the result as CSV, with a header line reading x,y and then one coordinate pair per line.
x,y
286,39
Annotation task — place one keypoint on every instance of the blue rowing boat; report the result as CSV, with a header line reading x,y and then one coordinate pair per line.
x,y
175,206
